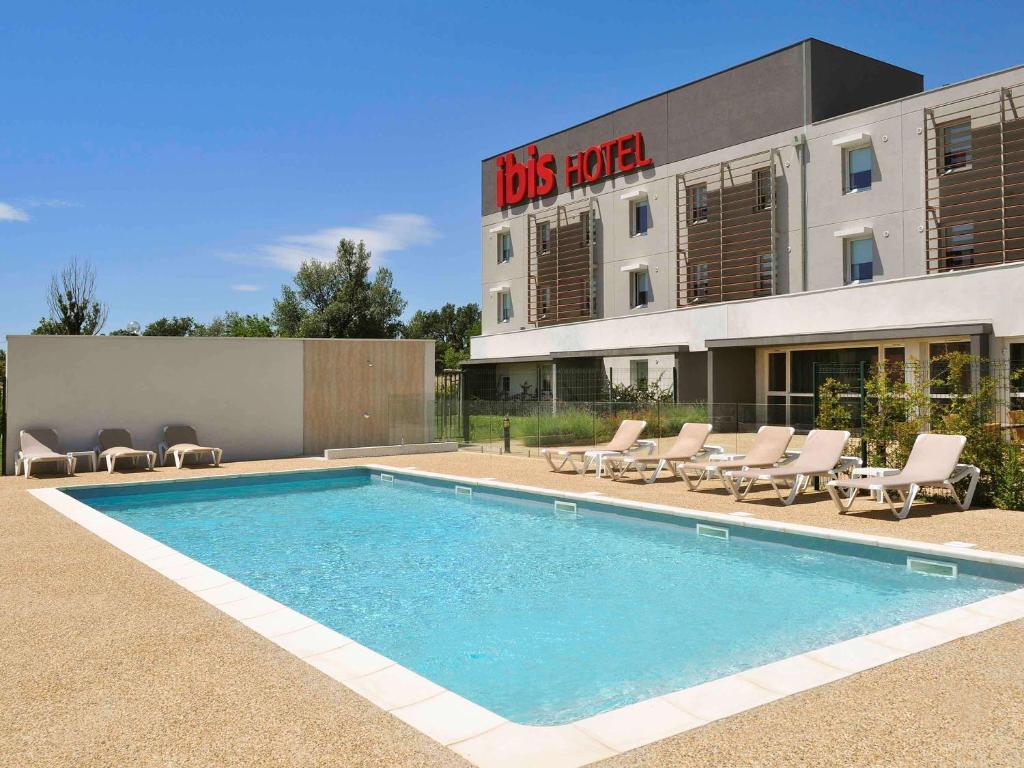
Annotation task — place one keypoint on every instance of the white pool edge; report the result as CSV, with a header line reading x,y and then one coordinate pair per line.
x,y
491,741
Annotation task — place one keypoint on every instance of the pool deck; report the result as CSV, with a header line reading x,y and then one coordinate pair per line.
x,y
108,662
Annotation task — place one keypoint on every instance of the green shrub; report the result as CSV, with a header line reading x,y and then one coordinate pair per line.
x,y
1009,483
832,414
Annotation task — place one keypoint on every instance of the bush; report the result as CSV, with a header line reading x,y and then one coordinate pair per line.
x,y
832,414
1009,485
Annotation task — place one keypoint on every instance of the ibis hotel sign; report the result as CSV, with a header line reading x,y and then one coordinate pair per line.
x,y
538,176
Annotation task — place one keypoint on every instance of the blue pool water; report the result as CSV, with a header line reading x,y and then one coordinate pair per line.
x,y
539,618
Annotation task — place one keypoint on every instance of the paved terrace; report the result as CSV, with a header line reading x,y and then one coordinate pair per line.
x,y
106,662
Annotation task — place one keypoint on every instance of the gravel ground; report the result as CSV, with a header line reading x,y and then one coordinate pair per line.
x,y
105,662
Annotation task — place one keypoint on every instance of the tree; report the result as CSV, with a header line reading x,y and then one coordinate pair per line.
x,y
338,300
74,308
171,326
3,363
235,324
450,327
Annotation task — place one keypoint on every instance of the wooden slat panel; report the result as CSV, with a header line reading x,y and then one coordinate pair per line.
x,y
340,385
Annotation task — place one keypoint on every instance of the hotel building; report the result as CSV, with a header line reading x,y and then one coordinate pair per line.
x,y
811,205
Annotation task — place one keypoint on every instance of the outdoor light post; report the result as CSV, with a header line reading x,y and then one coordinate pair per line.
x,y
506,432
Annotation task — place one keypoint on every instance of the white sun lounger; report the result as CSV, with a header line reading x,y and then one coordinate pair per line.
x,y
581,458
41,446
180,442
821,456
933,463
114,444
769,449
688,445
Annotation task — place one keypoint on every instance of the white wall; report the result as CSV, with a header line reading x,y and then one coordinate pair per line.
x,y
985,294
243,395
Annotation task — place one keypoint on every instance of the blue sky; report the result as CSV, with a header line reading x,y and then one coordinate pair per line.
x,y
195,152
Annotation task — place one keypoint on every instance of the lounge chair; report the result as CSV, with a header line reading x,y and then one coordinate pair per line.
x,y
821,456
114,444
180,442
933,463
625,437
769,449
688,445
41,446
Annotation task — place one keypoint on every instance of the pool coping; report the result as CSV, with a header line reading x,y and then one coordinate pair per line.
x,y
489,740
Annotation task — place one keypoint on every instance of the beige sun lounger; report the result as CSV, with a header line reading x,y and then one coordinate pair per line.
x,y
688,445
180,442
625,437
40,446
769,449
114,444
933,463
821,456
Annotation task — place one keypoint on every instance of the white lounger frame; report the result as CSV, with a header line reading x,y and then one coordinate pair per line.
x,y
909,492
618,466
27,460
796,484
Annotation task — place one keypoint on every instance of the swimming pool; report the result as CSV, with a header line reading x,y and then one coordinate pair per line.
x,y
543,615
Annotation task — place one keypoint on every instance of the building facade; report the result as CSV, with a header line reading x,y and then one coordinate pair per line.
x,y
812,205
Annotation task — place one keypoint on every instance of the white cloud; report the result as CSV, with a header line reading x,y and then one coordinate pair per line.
x,y
9,213
245,287
385,234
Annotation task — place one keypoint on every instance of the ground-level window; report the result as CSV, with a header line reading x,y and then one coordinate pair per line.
x,y
860,255
959,246
504,306
545,380
638,373
506,385
956,145
639,288
504,247
697,202
939,368
858,169
1016,373
777,372
640,215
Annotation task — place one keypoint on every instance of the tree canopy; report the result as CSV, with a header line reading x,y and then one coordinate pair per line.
x,y
74,308
338,299
231,323
450,327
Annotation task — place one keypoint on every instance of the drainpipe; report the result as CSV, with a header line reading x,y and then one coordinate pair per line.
x,y
800,144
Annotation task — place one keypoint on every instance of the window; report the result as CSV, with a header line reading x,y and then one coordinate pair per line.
x,y
777,372
956,146
545,379
544,301
939,368
638,373
506,385
697,202
762,189
639,288
639,217
504,247
895,363
858,169
697,279
861,258
544,236
1017,377
959,246
504,306
585,221
765,271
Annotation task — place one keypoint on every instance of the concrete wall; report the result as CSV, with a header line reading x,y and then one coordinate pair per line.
x,y
243,395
